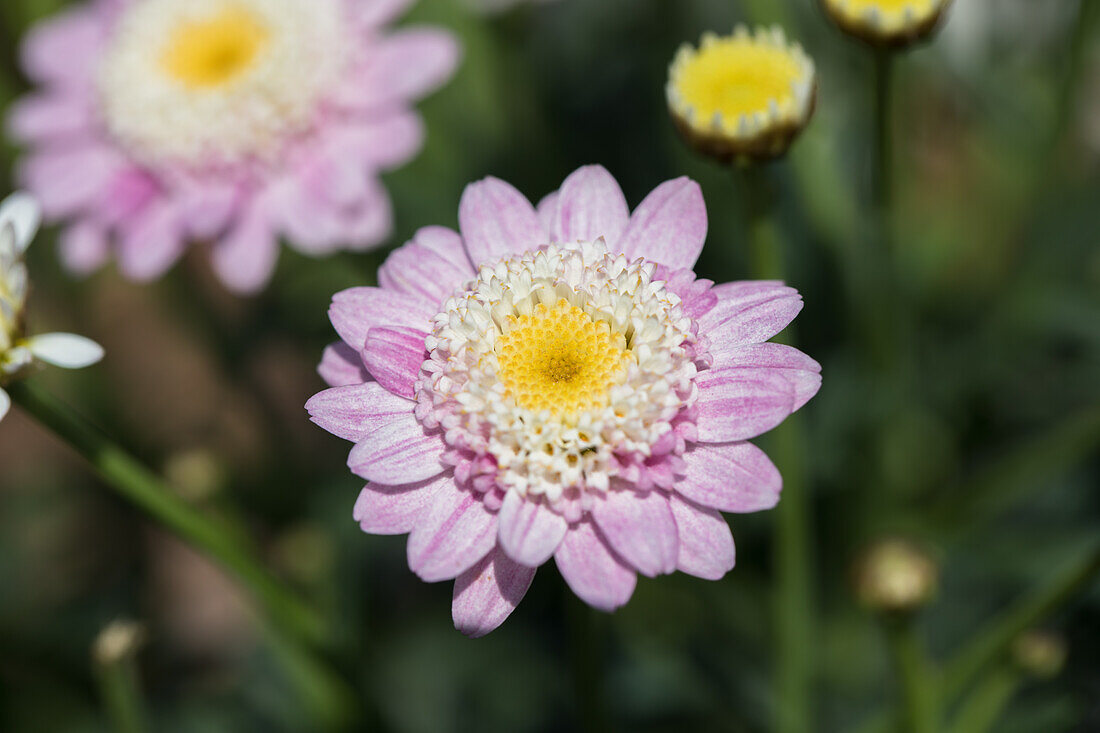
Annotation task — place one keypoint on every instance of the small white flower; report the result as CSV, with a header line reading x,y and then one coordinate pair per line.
x,y
19,220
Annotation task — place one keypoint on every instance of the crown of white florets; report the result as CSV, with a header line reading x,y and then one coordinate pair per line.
x,y
495,441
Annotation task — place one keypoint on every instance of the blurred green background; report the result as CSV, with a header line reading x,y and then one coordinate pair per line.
x,y
988,457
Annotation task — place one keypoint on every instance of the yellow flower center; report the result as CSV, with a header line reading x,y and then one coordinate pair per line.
x,y
737,76
559,359
214,51
890,6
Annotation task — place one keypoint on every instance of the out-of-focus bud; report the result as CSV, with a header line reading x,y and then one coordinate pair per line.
x,y
1040,653
743,97
895,576
117,641
887,23
195,474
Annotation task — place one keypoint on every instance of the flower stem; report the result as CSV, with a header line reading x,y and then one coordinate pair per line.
x,y
915,675
1027,612
793,599
117,675
980,712
140,486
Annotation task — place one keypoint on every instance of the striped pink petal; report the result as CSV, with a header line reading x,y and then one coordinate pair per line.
x,y
486,594
453,533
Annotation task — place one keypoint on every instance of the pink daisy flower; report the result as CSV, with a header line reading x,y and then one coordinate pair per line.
x,y
559,384
160,122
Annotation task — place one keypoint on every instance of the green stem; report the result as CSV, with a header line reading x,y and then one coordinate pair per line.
x,y
985,648
915,675
987,703
793,600
882,170
1029,611
120,691
144,489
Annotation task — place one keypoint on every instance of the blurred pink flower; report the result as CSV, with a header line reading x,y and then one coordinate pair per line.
x,y
236,122
558,383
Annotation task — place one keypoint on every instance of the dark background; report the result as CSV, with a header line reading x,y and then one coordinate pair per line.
x,y
989,459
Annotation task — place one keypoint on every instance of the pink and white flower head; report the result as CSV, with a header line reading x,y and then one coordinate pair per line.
x,y
162,122
19,219
558,383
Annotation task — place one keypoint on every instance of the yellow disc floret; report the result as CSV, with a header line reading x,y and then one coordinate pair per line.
x,y
214,51
558,359
741,96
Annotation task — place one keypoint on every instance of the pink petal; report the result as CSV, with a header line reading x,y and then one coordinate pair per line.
x,y
382,509
419,270
639,526
453,533
486,594
669,226
153,242
369,222
245,257
736,404
355,411
50,117
731,477
530,532
393,356
61,48
341,366
356,311
591,205
386,142
409,64
592,570
548,210
749,312
67,180
706,543
801,371
496,221
84,247
447,244
399,452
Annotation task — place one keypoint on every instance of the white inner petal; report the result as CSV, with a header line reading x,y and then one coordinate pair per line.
x,y
163,97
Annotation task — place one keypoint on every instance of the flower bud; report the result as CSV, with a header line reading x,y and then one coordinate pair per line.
x,y
117,641
887,23
1040,653
743,97
895,576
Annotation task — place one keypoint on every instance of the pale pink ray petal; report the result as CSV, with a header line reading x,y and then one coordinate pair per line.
x,y
669,226
592,569
373,13
739,404
801,371
530,531
730,477
355,311
486,594
383,509
453,533
62,49
246,256
84,246
420,270
447,244
547,209
750,312
590,205
153,243
398,452
355,411
706,543
393,356
341,366
640,527
408,64
50,117
496,220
